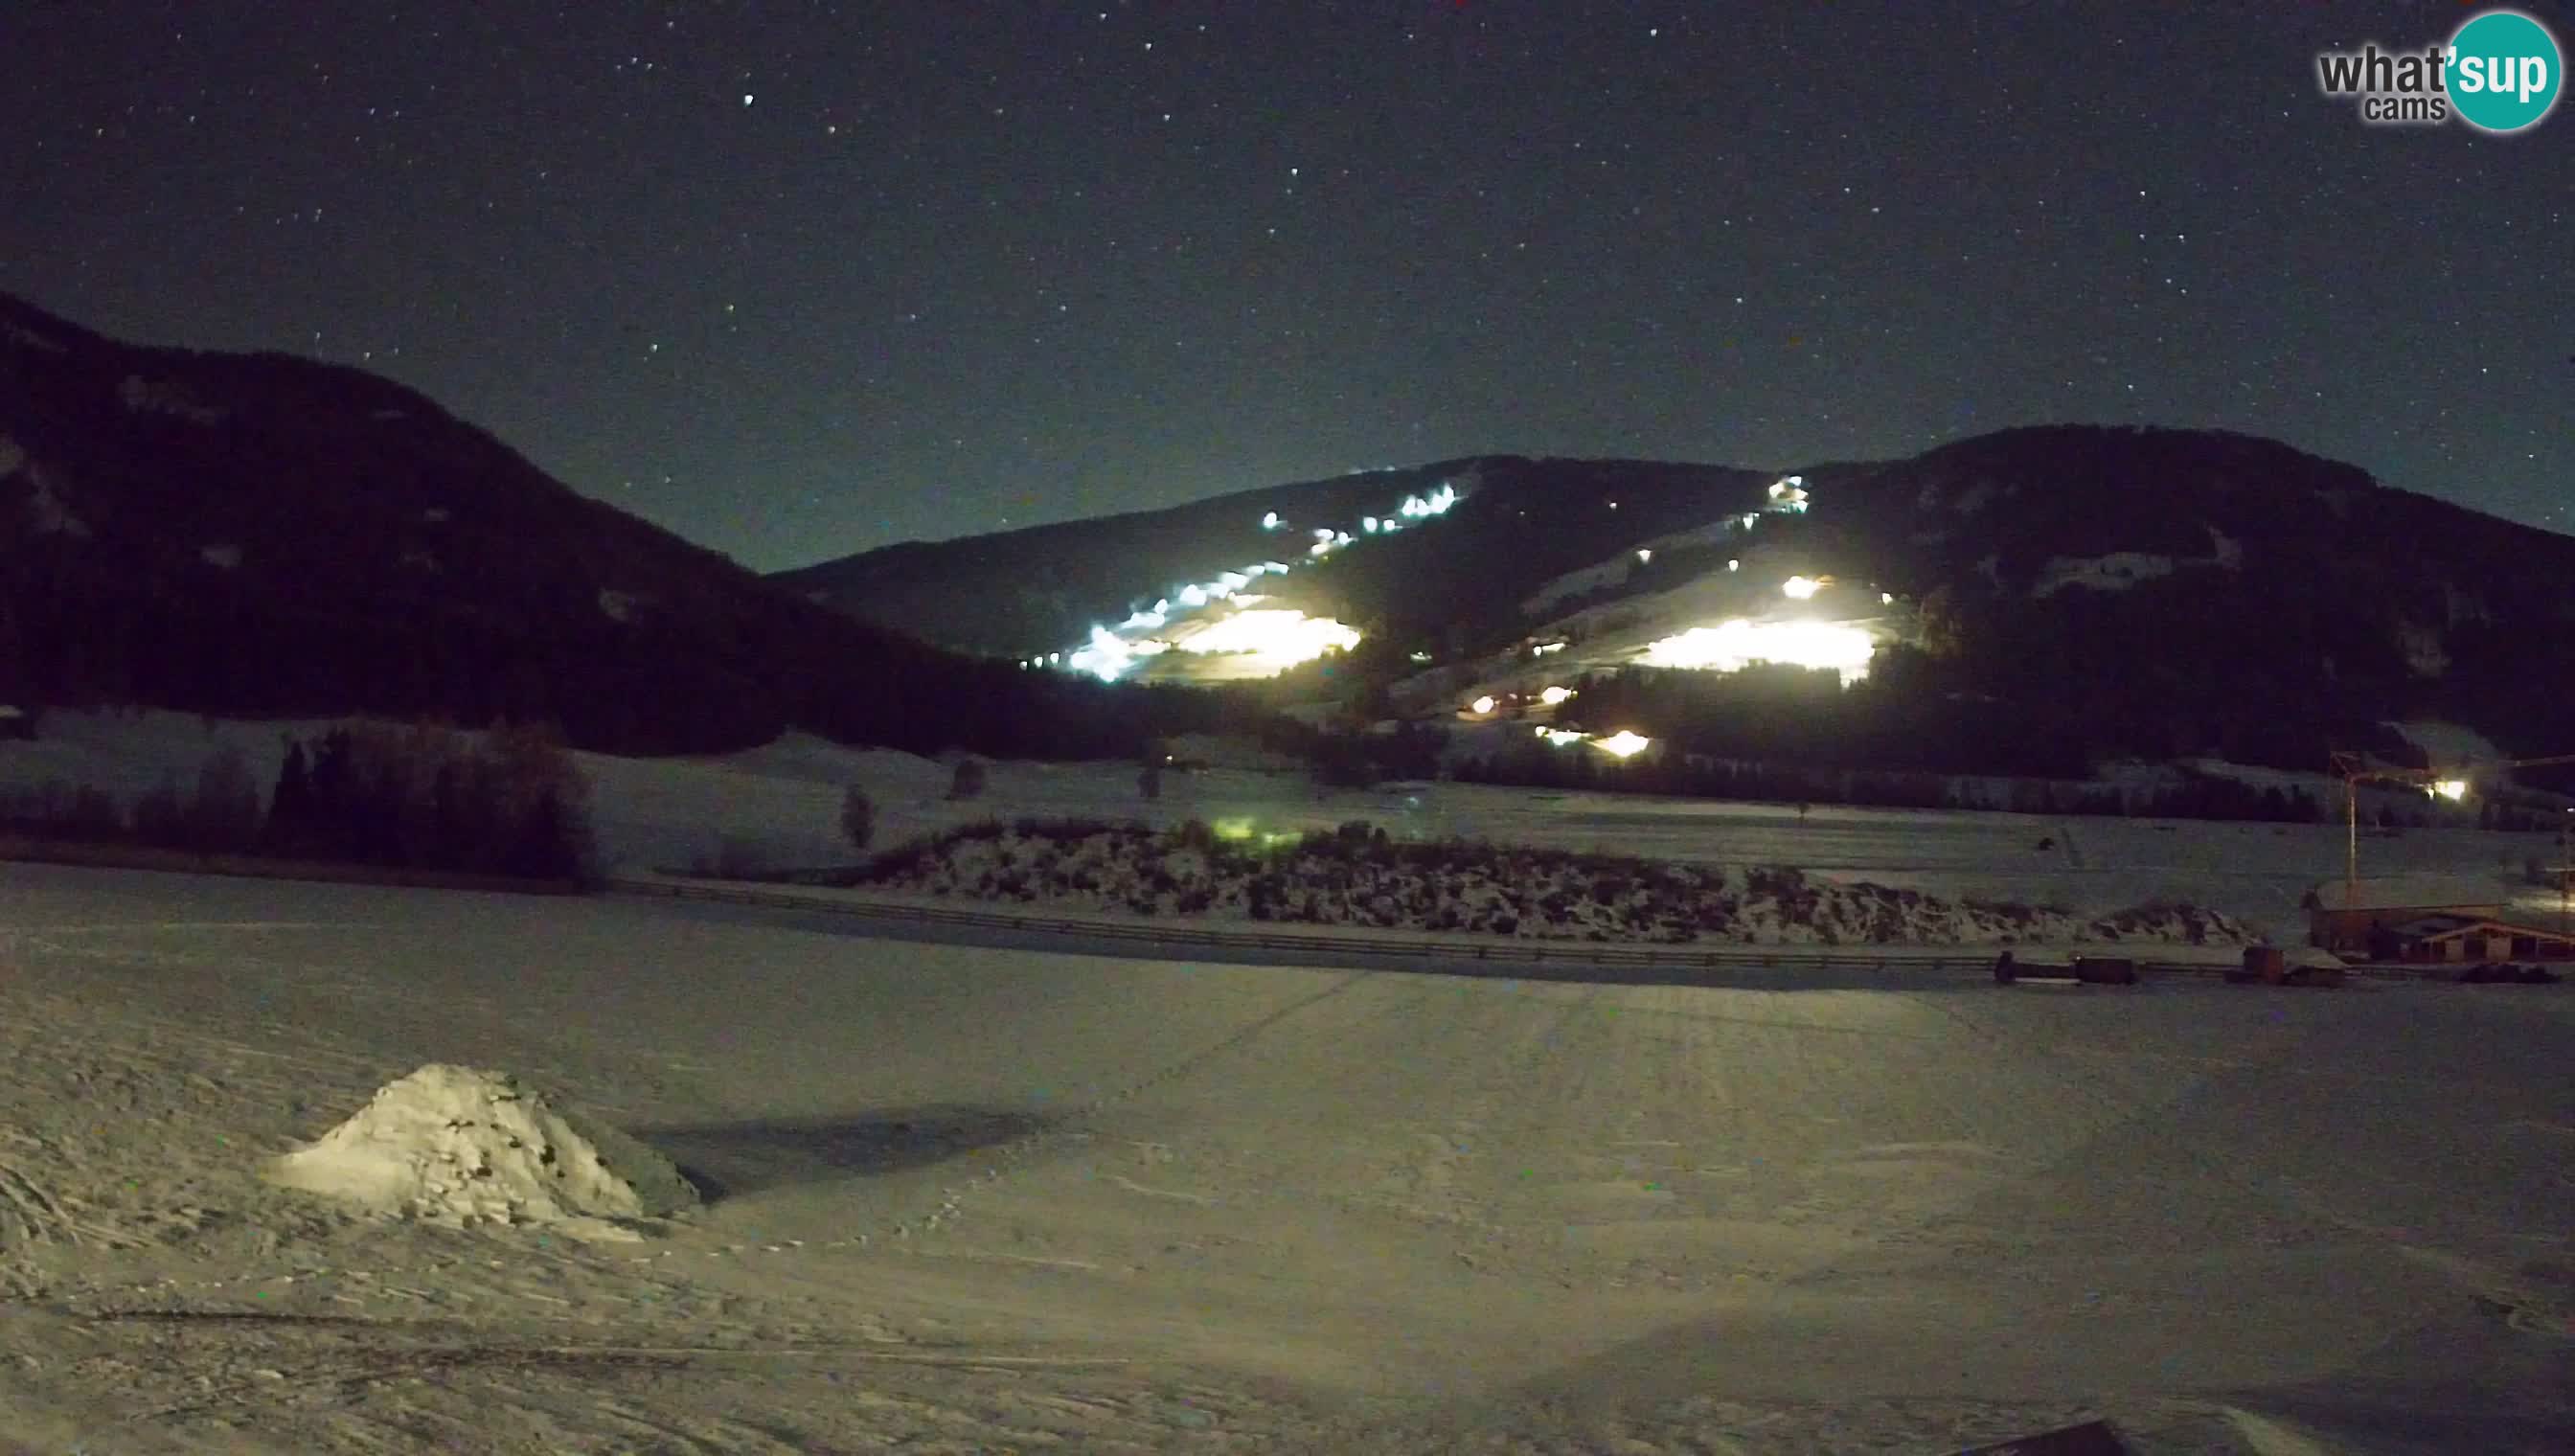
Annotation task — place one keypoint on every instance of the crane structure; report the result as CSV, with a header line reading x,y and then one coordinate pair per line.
x,y
2452,784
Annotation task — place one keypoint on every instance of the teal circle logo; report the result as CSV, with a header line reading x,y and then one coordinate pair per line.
x,y
2504,71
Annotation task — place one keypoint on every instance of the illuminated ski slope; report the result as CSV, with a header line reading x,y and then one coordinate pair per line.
x,y
1708,623
1223,617
1266,642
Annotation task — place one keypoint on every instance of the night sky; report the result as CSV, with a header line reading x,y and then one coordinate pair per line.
x,y
797,280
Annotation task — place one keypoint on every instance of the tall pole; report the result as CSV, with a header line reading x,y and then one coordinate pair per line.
x,y
2351,843
2565,879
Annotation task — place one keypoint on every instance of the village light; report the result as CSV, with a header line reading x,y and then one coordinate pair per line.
x,y
1483,705
2453,789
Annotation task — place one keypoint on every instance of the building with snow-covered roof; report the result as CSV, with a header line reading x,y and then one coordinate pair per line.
x,y
2435,940
2346,918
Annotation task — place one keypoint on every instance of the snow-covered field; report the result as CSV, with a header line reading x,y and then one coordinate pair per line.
x,y
784,800
976,1199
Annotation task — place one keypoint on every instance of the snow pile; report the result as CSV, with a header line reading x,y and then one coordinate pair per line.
x,y
1358,877
452,1145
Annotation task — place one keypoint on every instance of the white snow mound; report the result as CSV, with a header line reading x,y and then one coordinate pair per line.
x,y
458,1146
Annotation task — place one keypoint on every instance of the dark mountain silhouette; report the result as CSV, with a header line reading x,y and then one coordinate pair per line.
x,y
1518,521
2063,594
261,534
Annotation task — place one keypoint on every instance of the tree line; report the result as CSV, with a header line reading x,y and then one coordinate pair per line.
x,y
509,802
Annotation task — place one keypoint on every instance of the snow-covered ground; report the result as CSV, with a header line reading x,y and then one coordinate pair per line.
x,y
982,1199
784,800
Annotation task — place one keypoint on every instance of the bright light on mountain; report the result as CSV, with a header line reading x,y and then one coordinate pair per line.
x,y
1106,655
1623,744
1800,587
1273,638
1276,638
1483,705
1436,504
1733,645
1555,695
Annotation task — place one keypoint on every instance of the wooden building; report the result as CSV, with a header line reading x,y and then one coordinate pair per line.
x,y
2391,901
2460,939
2426,919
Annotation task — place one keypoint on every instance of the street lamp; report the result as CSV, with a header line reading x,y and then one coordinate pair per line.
x,y
2353,768
2565,879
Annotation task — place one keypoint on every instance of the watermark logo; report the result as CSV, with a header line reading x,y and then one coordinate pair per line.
x,y
2501,72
